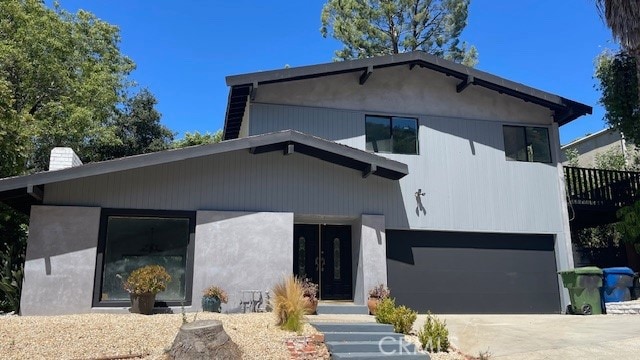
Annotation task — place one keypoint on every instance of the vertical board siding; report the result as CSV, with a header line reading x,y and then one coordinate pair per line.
x,y
461,168
238,181
342,126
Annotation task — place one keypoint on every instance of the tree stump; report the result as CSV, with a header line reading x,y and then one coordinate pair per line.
x,y
203,339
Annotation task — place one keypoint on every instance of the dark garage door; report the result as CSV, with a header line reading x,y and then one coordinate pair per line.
x,y
472,273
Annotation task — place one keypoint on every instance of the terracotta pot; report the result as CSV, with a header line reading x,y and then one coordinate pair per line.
x,y
311,305
211,304
142,303
372,304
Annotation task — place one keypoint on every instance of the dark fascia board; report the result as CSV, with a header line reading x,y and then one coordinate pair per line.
x,y
566,110
9,185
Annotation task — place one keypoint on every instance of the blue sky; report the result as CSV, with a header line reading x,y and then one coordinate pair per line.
x,y
184,49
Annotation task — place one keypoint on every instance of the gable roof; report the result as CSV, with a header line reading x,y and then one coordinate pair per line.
x,y
21,192
564,110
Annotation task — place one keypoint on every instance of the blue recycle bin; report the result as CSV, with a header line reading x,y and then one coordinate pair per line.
x,y
618,284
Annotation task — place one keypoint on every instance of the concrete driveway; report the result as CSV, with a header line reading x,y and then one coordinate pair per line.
x,y
532,337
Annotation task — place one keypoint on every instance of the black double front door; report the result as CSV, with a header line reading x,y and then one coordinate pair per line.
x,y
322,253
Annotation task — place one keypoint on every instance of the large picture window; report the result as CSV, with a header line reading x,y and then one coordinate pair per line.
x,y
524,143
391,134
131,239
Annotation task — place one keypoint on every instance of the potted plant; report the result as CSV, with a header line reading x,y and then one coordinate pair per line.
x,y
376,295
143,284
310,293
212,298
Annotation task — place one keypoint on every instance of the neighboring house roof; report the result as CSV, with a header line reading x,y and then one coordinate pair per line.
x,y
587,138
23,191
564,110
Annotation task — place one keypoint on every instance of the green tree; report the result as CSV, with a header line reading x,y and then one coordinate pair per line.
x,y
196,138
63,82
380,27
623,18
13,246
573,157
137,130
61,76
612,159
618,82
629,228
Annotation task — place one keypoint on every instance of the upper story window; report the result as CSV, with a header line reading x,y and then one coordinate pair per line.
x,y
526,143
391,134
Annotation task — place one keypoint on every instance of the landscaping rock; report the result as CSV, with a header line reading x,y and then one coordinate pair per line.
x,y
203,339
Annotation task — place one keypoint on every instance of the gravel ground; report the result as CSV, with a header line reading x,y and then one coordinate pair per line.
x,y
94,336
451,355
91,336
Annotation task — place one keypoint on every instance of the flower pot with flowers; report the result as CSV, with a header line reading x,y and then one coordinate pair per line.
x,y
143,284
376,295
310,293
212,298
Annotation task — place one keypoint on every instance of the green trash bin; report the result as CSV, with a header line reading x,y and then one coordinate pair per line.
x,y
584,290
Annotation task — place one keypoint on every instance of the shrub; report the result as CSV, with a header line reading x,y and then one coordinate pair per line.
x,y
385,310
434,336
147,279
216,292
288,304
403,319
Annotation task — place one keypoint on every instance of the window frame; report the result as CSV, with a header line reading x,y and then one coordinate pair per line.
x,y
390,118
102,245
525,129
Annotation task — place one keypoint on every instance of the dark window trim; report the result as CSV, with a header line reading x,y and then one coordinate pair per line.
x,y
526,141
102,242
390,117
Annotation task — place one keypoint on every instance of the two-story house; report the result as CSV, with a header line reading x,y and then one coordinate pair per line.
x,y
439,180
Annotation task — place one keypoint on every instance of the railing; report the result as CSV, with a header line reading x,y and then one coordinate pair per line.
x,y
602,187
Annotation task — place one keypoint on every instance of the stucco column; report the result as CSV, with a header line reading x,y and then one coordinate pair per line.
x,y
61,259
563,250
372,259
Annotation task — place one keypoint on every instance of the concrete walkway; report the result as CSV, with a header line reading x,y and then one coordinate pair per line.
x,y
533,337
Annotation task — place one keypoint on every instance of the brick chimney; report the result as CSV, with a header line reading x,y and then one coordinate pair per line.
x,y
62,158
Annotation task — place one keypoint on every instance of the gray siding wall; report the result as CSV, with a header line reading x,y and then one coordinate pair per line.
x,y
468,184
342,126
239,181
461,168
61,260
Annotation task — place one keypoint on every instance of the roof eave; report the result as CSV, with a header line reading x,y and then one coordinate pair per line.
x,y
565,110
27,188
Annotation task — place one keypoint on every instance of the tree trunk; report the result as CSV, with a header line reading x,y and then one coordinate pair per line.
x,y
203,339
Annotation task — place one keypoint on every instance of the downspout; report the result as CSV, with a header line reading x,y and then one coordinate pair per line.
x,y
625,156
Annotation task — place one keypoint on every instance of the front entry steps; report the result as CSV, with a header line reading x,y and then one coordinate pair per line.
x,y
342,309
366,341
